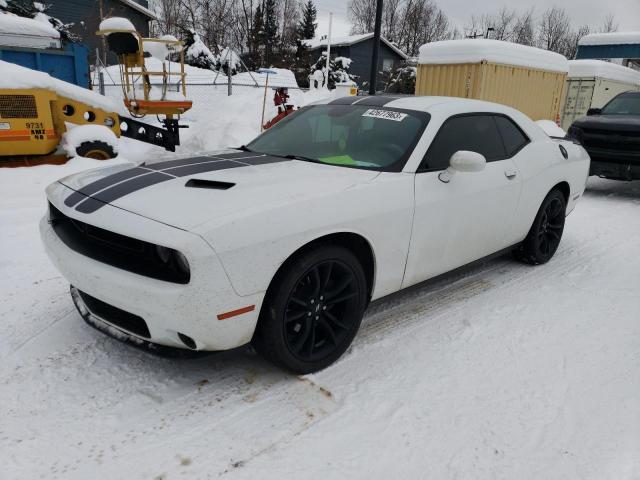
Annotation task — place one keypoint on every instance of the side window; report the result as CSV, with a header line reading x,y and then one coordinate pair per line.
x,y
476,133
513,137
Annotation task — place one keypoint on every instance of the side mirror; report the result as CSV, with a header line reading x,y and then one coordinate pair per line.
x,y
594,111
463,161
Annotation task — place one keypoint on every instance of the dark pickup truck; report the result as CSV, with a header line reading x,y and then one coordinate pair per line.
x,y
611,136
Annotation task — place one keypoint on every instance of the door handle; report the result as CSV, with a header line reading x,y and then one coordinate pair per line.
x,y
510,173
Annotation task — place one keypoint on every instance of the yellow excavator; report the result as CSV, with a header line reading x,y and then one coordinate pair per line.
x,y
33,121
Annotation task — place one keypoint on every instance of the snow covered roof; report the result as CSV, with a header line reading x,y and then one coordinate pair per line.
x,y
602,69
613,38
315,43
14,76
13,24
493,51
140,8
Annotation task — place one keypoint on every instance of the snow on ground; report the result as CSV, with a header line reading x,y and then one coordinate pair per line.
x,y
504,371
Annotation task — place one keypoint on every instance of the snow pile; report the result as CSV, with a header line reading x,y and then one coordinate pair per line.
x,y
161,50
613,38
15,77
602,69
117,23
77,135
15,25
491,51
234,120
551,129
202,76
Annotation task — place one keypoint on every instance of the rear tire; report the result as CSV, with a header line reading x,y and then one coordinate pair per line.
x,y
96,149
546,232
313,310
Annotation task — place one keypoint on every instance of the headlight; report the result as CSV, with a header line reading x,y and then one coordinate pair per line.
x,y
164,254
181,262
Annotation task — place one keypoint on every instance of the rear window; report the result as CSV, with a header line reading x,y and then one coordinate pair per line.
x,y
513,137
347,135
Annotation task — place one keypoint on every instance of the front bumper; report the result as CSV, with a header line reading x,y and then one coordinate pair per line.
x,y
615,171
175,315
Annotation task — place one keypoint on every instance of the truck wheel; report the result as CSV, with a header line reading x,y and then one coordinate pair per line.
x,y
545,234
313,310
97,150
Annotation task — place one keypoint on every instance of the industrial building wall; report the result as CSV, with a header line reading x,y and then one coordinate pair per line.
x,y
537,93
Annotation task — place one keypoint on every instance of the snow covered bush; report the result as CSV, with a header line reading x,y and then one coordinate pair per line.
x,y
38,11
196,53
403,80
338,71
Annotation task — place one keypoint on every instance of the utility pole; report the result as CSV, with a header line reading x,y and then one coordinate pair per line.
x,y
104,37
326,81
376,49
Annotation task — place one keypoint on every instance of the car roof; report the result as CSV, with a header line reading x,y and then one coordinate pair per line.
x,y
422,103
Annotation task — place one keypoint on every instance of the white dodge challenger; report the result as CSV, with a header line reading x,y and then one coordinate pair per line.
x,y
284,242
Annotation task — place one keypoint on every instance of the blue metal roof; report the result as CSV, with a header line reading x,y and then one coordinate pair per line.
x,y
631,50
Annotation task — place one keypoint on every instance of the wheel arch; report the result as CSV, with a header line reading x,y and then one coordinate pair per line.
x,y
354,242
565,188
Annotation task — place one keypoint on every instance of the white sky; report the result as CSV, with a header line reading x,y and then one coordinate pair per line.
x,y
590,12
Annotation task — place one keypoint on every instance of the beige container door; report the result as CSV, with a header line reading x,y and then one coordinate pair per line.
x,y
578,100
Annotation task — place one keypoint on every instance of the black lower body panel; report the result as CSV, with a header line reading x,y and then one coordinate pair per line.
x,y
615,171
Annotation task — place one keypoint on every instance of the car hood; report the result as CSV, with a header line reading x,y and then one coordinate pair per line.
x,y
618,123
187,192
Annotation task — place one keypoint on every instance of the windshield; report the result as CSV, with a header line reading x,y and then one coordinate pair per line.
x,y
625,104
347,135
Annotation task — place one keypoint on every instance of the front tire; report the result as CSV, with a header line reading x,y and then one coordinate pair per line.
x,y
96,149
313,310
546,232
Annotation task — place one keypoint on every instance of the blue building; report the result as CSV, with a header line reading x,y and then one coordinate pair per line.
x,y
607,46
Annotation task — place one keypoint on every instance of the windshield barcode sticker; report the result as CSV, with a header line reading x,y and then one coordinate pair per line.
x,y
385,114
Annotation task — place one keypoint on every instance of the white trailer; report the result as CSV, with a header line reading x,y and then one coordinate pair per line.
x,y
592,83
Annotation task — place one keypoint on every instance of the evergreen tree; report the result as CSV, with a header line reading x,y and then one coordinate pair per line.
x,y
256,39
308,25
270,37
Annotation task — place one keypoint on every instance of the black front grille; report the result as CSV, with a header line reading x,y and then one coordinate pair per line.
x,y
615,141
117,250
18,106
125,320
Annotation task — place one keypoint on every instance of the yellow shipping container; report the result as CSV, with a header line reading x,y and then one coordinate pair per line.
x,y
494,71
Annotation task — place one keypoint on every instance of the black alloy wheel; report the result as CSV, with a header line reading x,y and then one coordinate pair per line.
x,y
320,310
312,314
546,232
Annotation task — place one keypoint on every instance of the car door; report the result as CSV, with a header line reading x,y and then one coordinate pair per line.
x,y
469,217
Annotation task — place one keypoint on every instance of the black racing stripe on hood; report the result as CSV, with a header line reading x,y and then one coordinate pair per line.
x,y
202,168
345,100
105,182
107,195
179,162
206,158
118,191
377,100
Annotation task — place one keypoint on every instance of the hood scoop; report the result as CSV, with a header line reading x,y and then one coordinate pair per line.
x,y
210,184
